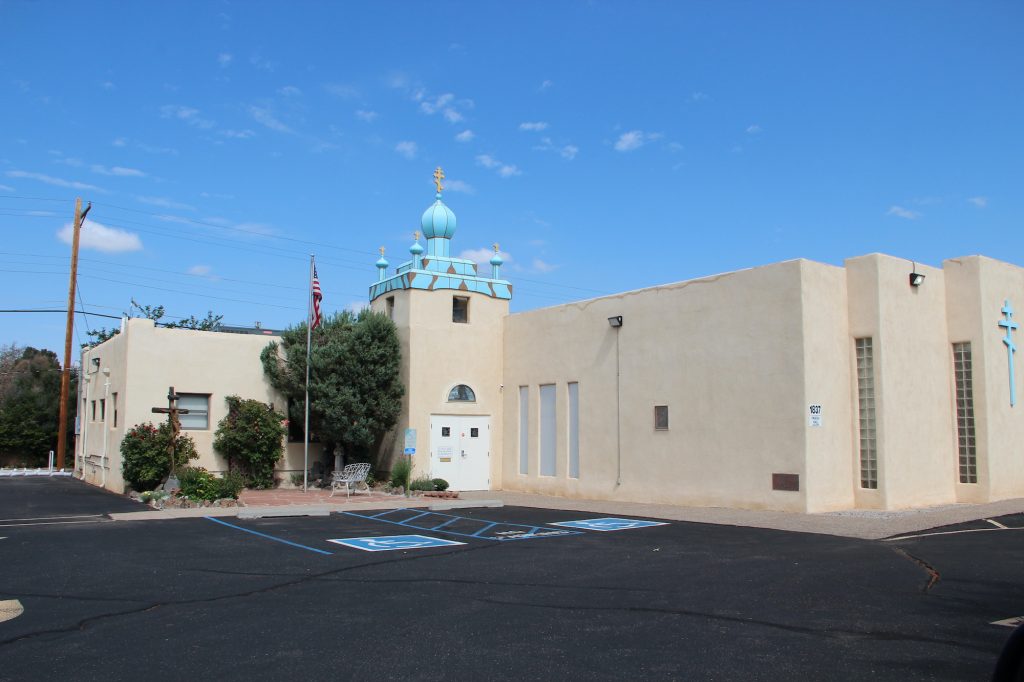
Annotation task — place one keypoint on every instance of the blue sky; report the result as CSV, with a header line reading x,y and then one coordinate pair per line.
x,y
606,146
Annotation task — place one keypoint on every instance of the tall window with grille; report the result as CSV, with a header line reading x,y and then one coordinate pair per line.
x,y
866,413
965,413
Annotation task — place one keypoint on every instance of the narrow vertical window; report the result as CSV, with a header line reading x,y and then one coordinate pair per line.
x,y
93,411
866,413
524,429
548,437
460,309
574,430
966,444
103,409
390,300
114,405
661,417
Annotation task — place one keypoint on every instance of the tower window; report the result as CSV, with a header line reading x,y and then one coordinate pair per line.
x,y
461,394
391,307
460,309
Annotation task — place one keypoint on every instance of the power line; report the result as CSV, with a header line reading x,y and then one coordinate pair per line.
x,y
56,310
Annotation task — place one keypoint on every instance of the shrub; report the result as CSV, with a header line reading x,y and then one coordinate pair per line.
x,y
251,435
440,484
401,472
144,454
422,484
199,484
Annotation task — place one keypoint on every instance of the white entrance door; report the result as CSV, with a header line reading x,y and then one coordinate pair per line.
x,y
460,451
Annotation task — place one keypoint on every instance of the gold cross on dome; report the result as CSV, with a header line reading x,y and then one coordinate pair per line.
x,y
496,247
415,236
438,177
382,252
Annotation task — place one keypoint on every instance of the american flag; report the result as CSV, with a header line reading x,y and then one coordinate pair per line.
x,y
317,297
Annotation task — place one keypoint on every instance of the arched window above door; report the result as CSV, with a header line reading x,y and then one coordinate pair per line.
x,y
461,394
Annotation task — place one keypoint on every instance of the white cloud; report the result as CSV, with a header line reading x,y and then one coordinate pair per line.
x,y
202,271
6,188
699,97
265,117
289,91
569,152
238,134
901,212
187,114
545,85
482,256
634,139
225,59
465,136
99,237
980,202
505,170
459,186
444,104
366,115
407,149
535,126
163,202
214,195
355,307
50,180
119,171
108,85
542,266
120,141
753,129
263,63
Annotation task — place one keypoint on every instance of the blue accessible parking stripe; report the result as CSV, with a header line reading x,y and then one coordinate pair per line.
x,y
392,542
609,523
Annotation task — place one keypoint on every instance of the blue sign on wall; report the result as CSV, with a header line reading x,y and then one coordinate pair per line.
x,y
392,542
609,523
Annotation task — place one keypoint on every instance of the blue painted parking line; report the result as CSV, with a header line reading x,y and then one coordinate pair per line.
x,y
269,537
393,542
428,521
609,523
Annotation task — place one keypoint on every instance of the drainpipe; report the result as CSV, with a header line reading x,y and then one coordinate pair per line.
x,y
86,379
106,430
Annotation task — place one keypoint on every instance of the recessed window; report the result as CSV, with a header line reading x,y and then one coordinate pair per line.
x,y
461,394
966,441
474,432
103,410
661,417
114,425
93,411
446,431
460,309
390,300
866,413
198,406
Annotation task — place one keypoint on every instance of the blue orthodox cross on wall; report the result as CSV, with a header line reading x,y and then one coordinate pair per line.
x,y
1009,325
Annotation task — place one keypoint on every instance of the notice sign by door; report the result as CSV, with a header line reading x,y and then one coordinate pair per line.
x,y
814,415
410,441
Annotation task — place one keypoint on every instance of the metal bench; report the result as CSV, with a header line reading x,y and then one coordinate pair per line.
x,y
349,478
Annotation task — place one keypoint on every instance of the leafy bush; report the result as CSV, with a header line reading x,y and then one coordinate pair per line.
x,y
401,472
440,484
251,435
145,461
422,484
199,484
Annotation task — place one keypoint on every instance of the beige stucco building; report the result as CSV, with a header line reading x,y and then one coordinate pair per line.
x,y
795,386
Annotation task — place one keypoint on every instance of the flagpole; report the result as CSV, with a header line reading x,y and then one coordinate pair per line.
x,y
309,336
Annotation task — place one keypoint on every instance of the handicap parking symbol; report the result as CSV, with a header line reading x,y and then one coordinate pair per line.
x,y
609,523
392,542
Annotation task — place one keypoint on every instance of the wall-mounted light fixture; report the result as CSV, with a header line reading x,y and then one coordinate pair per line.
x,y
916,278
615,321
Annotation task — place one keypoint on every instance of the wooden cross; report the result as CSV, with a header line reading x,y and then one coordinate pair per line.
x,y
438,177
172,411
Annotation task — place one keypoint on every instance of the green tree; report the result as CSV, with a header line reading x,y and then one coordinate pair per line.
x,y
355,392
146,456
30,404
252,435
156,313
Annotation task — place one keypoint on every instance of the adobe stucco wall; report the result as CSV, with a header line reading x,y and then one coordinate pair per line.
x,y
144,361
724,353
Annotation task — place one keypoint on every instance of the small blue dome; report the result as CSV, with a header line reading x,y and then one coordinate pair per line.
x,y
438,221
416,249
382,263
496,259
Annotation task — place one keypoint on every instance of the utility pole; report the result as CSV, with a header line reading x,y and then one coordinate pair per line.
x,y
65,377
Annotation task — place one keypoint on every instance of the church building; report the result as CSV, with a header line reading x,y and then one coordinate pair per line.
x,y
797,386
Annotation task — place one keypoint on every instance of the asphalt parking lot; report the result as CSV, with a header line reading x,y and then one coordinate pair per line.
x,y
520,598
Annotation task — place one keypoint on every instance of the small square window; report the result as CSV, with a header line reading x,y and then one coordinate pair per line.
x,y
198,416
474,432
446,431
661,417
460,309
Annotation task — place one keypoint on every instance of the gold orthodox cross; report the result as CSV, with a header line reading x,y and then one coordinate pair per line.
x,y
438,177
496,247
381,252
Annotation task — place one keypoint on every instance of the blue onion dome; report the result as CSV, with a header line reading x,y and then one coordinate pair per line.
x,y
416,249
438,220
496,259
382,263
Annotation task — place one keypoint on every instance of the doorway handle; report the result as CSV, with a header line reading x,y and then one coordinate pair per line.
x,y
463,453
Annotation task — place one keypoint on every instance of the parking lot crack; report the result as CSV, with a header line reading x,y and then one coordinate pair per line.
x,y
933,573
